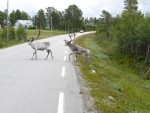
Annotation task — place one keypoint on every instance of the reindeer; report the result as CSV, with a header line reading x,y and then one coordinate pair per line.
x,y
39,46
77,50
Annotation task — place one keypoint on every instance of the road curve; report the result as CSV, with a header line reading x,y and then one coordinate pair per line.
x,y
39,86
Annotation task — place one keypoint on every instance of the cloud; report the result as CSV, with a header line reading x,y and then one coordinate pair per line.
x,y
144,6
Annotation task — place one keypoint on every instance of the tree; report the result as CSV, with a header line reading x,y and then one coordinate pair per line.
x,y
55,15
24,16
13,17
73,16
128,27
35,21
18,14
3,17
105,24
131,6
143,38
41,20
62,23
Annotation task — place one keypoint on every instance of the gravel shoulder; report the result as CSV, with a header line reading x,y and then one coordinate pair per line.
x,y
88,102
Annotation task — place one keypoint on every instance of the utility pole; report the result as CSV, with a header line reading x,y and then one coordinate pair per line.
x,y
51,25
50,19
47,20
7,20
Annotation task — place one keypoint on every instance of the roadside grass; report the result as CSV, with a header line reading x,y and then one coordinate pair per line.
x,y
44,33
30,34
115,87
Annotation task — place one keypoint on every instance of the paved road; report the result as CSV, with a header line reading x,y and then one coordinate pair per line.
x,y
39,86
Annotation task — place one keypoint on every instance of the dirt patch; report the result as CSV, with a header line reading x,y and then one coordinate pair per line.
x,y
85,91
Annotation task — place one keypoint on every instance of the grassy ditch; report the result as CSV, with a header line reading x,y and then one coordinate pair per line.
x,y
115,87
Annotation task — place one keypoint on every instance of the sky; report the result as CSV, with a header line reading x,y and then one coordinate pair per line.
x,y
90,8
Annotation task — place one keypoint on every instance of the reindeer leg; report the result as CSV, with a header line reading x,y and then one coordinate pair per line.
x,y
70,55
49,51
33,56
47,54
76,56
87,58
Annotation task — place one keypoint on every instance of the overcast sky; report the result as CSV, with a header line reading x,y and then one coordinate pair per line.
x,y
90,8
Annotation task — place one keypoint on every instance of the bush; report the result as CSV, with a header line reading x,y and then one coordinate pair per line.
x,y
4,34
21,33
12,35
32,27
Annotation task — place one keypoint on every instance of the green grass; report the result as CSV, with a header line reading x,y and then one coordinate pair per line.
x,y
44,33
30,34
115,87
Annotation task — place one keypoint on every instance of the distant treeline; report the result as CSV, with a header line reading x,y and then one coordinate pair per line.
x,y
71,19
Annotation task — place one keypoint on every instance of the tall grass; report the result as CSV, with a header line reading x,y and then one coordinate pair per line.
x,y
115,87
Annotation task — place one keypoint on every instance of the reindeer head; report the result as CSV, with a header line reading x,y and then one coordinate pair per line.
x,y
68,42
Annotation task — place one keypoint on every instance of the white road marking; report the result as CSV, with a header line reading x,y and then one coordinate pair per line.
x,y
63,71
61,103
65,58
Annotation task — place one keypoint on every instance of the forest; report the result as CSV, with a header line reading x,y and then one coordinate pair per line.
x,y
69,19
130,30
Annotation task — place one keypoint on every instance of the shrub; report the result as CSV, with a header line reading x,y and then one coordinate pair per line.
x,y
21,33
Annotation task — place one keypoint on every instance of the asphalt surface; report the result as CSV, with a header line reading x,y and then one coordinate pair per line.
x,y
39,86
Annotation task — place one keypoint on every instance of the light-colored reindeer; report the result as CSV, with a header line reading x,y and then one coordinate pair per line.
x,y
39,46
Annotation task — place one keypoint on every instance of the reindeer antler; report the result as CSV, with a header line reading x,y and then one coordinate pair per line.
x,y
70,35
38,34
